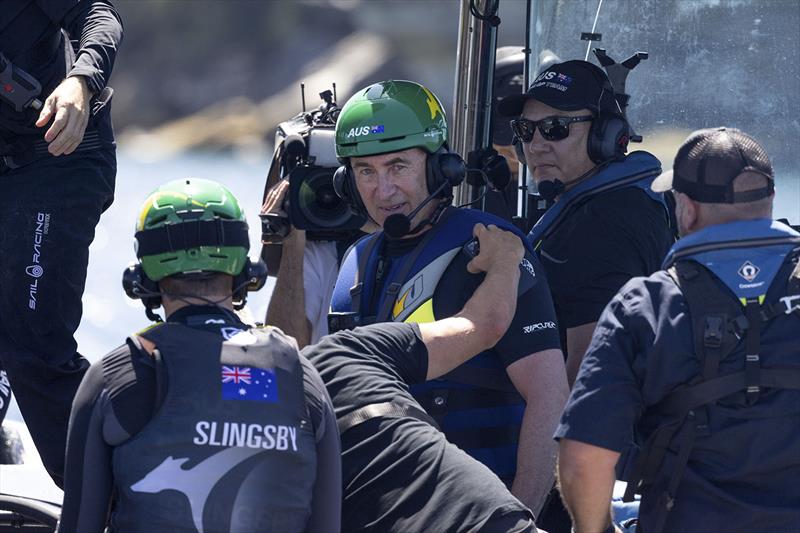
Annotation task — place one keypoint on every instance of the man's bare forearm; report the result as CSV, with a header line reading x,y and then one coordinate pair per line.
x,y
541,380
287,306
586,480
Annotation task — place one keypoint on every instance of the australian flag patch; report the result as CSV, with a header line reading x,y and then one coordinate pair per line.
x,y
249,383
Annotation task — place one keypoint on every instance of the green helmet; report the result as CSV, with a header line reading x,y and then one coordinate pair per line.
x,y
390,116
191,226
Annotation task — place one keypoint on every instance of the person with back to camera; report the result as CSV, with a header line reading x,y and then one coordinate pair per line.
x,y
200,423
392,139
57,167
699,361
605,226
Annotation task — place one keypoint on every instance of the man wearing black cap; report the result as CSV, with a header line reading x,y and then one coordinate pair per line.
x,y
699,361
508,81
606,226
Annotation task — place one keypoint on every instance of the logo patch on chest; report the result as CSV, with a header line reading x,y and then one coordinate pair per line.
x,y
748,271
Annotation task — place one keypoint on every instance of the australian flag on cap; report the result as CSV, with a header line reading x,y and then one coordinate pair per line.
x,y
249,383
564,79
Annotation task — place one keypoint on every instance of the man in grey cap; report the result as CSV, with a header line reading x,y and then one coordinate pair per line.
x,y
699,361
605,225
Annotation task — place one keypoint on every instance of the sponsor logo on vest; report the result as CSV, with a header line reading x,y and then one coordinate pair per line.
x,y
410,297
196,482
35,269
241,435
5,388
792,303
527,266
229,331
539,326
365,130
749,271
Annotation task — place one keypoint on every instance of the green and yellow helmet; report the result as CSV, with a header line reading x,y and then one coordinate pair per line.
x,y
390,116
191,226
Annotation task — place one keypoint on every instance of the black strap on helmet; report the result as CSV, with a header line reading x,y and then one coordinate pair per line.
x,y
173,237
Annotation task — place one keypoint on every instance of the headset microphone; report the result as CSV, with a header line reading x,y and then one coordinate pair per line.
x,y
399,225
549,189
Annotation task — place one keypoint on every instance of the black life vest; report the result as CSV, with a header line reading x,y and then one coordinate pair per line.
x,y
231,448
726,298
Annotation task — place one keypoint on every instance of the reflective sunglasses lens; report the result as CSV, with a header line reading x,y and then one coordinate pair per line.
x,y
523,129
554,130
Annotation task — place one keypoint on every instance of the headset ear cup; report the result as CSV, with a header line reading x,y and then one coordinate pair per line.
x,y
339,179
138,286
252,278
452,169
344,185
608,138
445,167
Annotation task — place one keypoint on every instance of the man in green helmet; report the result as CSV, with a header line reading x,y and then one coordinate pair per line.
x,y
200,423
501,406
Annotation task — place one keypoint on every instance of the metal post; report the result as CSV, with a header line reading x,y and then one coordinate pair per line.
x,y
475,59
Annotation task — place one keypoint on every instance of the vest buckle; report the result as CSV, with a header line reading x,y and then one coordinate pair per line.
x,y
712,334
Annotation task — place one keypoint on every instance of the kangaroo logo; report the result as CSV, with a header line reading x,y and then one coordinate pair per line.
x,y
195,483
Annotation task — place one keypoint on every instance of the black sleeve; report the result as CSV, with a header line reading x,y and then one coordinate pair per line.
x,y
326,506
622,234
398,345
88,472
533,328
97,27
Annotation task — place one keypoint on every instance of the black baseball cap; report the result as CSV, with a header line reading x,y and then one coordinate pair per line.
x,y
709,161
567,86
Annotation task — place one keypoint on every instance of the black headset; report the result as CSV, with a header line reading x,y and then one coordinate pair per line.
x,y
138,286
442,167
609,132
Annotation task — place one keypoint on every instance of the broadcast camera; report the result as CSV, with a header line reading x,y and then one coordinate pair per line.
x,y
305,155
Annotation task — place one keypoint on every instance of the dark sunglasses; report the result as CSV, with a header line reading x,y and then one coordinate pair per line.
x,y
551,128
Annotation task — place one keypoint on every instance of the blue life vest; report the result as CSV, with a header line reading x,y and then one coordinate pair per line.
x,y
476,405
638,169
744,255
725,273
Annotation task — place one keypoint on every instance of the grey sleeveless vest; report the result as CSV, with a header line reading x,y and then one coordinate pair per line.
x,y
231,449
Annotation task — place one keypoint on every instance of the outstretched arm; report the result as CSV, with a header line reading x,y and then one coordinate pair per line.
x,y
486,316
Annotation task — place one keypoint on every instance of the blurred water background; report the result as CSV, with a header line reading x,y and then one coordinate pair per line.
x,y
201,85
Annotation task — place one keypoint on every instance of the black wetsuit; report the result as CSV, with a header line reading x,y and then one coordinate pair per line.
x,y
117,405
50,207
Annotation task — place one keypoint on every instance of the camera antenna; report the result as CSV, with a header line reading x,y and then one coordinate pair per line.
x,y
335,99
303,95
